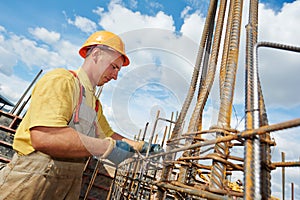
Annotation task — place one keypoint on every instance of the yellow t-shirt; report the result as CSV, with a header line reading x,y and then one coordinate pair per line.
x,y
53,101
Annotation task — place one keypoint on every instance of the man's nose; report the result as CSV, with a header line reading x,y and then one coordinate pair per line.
x,y
115,75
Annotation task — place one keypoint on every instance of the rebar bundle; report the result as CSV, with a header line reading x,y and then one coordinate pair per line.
x,y
193,166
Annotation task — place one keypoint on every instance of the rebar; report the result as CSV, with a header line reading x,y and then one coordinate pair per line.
x,y
203,165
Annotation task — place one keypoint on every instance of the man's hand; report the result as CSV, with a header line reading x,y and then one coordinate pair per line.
x,y
154,148
118,151
142,146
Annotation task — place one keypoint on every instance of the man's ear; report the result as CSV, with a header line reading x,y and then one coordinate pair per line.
x,y
95,54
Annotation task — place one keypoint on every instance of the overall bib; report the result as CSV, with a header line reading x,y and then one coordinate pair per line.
x,y
39,176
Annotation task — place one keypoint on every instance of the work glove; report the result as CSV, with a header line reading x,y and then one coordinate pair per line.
x,y
142,146
118,151
154,148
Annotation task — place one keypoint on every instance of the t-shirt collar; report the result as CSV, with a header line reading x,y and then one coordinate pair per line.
x,y
84,79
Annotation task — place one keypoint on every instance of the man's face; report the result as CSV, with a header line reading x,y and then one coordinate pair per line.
x,y
114,62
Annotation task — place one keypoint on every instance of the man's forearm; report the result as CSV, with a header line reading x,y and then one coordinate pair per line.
x,y
117,136
66,142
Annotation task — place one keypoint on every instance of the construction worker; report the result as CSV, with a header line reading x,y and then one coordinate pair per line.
x,y
64,125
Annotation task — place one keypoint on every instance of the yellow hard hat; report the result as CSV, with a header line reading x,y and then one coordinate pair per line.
x,y
105,38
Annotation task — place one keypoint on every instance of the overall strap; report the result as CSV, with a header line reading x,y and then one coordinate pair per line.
x,y
76,117
81,94
97,105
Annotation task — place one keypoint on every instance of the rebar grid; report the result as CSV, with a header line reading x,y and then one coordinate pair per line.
x,y
193,166
140,177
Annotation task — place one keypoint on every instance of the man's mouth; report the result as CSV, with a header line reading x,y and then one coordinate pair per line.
x,y
106,79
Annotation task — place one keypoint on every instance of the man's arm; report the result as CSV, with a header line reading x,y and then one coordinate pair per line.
x,y
66,142
117,136
137,145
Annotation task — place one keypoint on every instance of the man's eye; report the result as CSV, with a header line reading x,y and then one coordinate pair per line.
x,y
115,66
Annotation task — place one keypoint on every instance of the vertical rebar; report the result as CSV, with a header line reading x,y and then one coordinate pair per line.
x,y
180,120
252,101
283,176
146,163
251,164
218,171
145,131
170,127
204,91
292,191
164,136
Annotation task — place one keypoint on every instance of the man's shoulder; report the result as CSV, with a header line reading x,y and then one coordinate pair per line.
x,y
58,76
60,72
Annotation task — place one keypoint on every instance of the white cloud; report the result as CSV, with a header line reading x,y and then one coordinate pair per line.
x,y
154,4
193,26
2,29
8,60
68,53
280,27
55,52
43,57
185,11
133,4
280,68
118,17
14,89
159,55
49,37
84,24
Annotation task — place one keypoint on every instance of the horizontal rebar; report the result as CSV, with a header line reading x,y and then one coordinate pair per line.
x,y
244,134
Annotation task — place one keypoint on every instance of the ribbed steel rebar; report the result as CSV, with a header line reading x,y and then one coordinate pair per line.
x,y
206,84
204,91
264,174
192,191
218,171
245,134
140,181
225,48
252,145
196,71
189,97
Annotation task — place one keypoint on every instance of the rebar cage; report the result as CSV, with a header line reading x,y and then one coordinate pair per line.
x,y
193,165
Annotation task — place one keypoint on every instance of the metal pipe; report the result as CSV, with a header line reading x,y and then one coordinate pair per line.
x,y
25,93
23,106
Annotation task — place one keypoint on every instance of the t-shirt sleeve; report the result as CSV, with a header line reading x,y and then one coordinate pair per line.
x,y
53,99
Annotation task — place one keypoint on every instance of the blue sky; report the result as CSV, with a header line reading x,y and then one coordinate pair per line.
x,y
161,40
